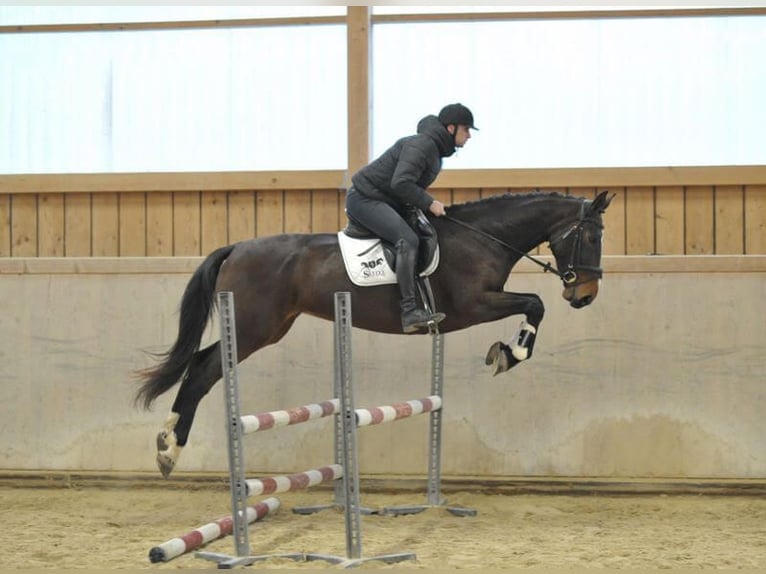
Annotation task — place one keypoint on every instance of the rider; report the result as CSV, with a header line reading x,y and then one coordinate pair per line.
x,y
396,181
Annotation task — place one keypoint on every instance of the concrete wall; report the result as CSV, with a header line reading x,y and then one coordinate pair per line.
x,y
663,376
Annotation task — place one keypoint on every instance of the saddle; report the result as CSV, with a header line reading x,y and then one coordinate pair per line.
x,y
370,260
429,242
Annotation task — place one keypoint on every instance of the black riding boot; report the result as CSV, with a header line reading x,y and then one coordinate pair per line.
x,y
413,318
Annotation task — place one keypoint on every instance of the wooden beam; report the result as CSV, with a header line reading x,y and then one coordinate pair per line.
x,y
172,25
566,15
186,265
385,19
359,73
335,179
171,181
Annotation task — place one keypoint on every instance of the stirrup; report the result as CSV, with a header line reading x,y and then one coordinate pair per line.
x,y
420,320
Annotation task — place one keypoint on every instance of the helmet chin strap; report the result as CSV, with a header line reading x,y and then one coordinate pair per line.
x,y
454,135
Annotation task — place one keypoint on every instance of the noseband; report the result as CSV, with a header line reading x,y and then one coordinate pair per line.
x,y
569,276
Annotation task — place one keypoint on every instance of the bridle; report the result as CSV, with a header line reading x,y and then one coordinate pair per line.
x,y
569,276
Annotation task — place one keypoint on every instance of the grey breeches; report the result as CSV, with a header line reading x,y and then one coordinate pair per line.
x,y
380,218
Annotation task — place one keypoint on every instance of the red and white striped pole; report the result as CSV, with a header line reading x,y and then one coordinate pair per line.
x,y
299,481
211,531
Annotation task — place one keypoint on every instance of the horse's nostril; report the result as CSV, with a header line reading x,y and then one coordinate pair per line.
x,y
581,302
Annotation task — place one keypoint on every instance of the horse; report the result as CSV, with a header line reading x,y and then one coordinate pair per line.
x,y
275,279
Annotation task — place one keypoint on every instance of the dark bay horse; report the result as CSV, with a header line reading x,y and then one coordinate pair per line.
x,y
275,279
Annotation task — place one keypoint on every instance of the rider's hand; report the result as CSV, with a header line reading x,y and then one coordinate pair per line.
x,y
437,208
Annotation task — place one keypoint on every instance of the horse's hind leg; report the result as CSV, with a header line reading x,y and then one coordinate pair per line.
x,y
204,370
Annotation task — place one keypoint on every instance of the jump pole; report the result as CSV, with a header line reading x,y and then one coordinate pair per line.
x,y
377,415
213,530
238,483
345,449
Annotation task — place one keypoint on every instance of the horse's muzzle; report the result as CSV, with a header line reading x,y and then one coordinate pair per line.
x,y
581,294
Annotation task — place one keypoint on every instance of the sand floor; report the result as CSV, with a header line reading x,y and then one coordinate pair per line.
x,y
90,527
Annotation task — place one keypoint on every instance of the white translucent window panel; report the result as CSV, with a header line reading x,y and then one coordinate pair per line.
x,y
580,93
174,100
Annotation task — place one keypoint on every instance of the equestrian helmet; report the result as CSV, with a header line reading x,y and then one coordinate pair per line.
x,y
456,114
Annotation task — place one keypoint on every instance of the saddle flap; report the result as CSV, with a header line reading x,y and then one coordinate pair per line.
x,y
370,261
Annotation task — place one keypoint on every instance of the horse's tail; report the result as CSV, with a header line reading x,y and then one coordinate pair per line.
x,y
196,306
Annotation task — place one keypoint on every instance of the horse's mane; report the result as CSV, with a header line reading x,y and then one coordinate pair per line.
x,y
478,205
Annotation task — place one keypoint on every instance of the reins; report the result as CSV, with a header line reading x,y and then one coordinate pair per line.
x,y
567,277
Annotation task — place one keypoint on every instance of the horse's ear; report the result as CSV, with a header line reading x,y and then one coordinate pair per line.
x,y
601,202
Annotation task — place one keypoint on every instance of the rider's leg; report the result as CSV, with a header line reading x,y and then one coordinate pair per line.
x,y
383,220
413,317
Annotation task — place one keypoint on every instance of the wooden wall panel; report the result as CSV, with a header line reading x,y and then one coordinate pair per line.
x,y
5,225
342,218
132,224
77,225
639,225
159,224
729,220
586,192
463,195
324,211
298,212
614,223
24,226
699,220
214,218
241,215
669,220
755,219
51,220
270,212
666,220
491,191
186,223
105,220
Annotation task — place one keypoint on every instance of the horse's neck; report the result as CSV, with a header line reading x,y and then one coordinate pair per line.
x,y
528,224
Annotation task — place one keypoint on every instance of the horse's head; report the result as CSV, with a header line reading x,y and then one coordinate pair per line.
x,y
577,249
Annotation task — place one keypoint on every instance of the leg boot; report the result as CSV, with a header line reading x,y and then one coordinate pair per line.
x,y
413,318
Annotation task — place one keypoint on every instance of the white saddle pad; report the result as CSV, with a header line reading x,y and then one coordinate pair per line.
x,y
366,262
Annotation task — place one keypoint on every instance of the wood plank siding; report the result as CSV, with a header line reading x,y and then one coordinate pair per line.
x,y
138,215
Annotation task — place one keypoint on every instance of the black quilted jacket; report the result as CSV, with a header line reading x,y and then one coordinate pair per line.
x,y
405,170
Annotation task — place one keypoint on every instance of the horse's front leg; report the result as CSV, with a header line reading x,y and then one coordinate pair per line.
x,y
503,357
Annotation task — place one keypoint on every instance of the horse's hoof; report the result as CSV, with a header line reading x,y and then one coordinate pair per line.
x,y
492,354
498,358
167,453
165,464
501,358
